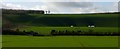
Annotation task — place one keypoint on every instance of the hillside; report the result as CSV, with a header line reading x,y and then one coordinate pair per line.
x,y
35,19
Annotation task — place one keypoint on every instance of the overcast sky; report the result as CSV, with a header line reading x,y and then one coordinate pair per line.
x,y
61,6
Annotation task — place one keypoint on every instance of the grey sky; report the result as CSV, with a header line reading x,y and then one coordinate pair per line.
x,y
64,7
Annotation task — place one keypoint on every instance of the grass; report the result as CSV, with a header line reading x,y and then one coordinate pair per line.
x,y
59,41
47,30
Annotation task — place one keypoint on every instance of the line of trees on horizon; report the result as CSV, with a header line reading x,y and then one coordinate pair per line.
x,y
21,11
12,11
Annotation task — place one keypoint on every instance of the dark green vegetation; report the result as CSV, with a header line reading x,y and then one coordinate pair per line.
x,y
47,30
105,20
81,20
53,31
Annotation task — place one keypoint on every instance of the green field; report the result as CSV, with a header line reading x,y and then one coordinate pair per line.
x,y
59,41
47,30
44,23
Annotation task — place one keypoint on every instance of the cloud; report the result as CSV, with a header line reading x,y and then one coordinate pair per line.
x,y
67,6
72,4
11,6
116,6
119,6
63,7
74,7
88,10
61,0
37,7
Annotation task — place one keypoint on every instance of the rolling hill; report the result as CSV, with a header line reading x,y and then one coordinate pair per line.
x,y
37,19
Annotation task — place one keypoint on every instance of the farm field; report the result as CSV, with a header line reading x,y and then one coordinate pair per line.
x,y
47,30
59,41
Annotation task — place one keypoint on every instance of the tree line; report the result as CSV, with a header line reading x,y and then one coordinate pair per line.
x,y
12,11
60,33
18,32
90,32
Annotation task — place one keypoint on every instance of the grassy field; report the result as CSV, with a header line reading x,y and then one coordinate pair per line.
x,y
47,30
59,41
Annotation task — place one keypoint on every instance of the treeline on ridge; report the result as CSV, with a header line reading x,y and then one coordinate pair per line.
x,y
11,11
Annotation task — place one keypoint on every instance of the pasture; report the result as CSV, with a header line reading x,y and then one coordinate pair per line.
x,y
59,41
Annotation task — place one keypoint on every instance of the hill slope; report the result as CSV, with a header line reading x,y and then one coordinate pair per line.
x,y
100,20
